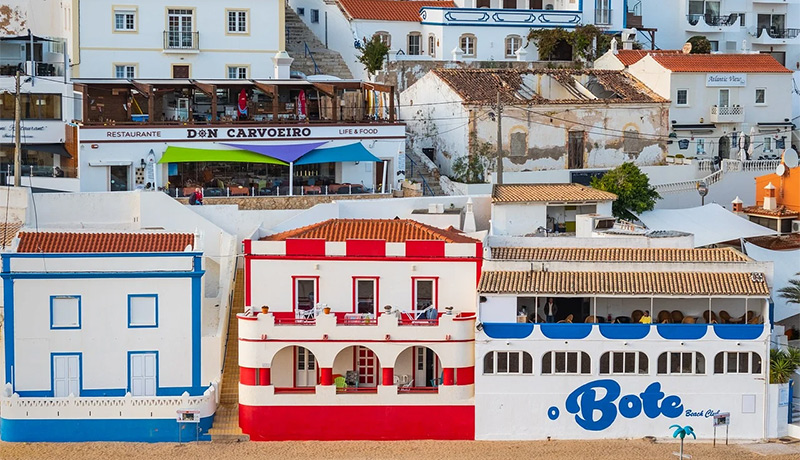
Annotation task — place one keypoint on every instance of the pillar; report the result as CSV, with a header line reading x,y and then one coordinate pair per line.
x,y
325,376
388,376
264,377
448,376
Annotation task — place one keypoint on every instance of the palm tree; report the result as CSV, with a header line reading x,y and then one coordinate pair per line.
x,y
682,431
791,292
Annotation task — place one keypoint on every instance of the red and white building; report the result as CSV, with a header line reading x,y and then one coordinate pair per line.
x,y
369,332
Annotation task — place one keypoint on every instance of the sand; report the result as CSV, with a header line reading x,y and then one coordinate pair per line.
x,y
411,450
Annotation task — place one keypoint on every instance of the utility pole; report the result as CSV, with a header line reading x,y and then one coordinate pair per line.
x,y
499,168
17,133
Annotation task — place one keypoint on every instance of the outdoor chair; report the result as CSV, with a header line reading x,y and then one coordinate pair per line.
x,y
664,317
712,320
591,319
568,319
689,320
676,316
351,378
636,315
340,383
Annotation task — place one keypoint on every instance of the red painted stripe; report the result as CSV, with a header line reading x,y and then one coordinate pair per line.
x,y
425,249
242,339
247,283
366,248
247,375
465,375
305,247
394,423
362,258
448,376
265,376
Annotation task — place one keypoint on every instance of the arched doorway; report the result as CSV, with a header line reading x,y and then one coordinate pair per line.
x,y
725,147
294,367
417,368
359,366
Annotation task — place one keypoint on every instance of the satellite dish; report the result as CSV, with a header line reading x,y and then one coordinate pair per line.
x,y
687,48
780,170
790,158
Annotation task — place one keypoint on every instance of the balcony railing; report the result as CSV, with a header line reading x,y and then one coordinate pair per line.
x,y
787,34
178,40
602,17
729,114
713,20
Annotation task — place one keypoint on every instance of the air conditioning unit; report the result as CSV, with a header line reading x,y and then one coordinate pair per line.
x,y
796,226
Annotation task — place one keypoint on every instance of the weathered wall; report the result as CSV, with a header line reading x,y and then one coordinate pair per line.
x,y
281,202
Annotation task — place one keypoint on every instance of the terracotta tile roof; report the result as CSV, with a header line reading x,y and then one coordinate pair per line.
x,y
518,86
747,63
8,231
65,242
672,255
777,242
624,283
390,230
782,212
516,193
389,10
628,57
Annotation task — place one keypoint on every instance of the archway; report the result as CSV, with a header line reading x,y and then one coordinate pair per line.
x,y
294,367
725,147
417,368
359,366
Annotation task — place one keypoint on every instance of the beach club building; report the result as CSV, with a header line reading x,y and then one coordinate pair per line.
x,y
364,330
240,137
598,371
102,337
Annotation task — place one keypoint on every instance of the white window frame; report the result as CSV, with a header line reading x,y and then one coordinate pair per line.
x,y
764,94
767,144
240,18
314,16
510,40
700,146
141,324
694,366
241,72
128,71
580,356
126,14
58,302
727,92
751,355
374,281
521,356
636,363
468,44
432,45
418,37
677,97
384,37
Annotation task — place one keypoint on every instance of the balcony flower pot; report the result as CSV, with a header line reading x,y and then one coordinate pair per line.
x,y
326,310
670,159
265,309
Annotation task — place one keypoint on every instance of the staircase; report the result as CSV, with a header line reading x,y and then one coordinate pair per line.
x,y
298,35
226,420
418,169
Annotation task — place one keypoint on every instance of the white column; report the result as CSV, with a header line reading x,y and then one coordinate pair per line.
x,y
291,178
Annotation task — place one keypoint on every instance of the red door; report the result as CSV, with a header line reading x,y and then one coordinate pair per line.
x,y
367,367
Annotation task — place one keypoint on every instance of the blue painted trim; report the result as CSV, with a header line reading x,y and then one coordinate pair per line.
x,y
508,330
87,430
566,330
68,255
197,299
682,331
143,352
144,326
738,331
503,10
82,275
8,327
527,26
624,14
79,312
79,354
624,331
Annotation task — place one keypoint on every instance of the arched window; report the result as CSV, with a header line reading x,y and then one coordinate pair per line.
x,y
414,44
507,362
518,144
432,45
566,362
624,362
685,362
630,141
385,37
468,43
737,362
513,43
483,4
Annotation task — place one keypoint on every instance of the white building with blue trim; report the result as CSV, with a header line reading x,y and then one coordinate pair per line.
x,y
103,338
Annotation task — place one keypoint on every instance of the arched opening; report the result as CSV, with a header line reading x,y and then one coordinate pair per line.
x,y
725,147
294,369
417,369
356,369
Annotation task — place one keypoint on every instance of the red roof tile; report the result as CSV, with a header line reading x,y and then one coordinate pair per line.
x,y
748,63
390,230
64,242
628,57
389,10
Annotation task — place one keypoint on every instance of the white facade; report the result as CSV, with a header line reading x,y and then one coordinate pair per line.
x,y
234,39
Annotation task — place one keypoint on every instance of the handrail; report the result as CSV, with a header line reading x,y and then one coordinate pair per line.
x,y
726,166
636,9
425,186
307,52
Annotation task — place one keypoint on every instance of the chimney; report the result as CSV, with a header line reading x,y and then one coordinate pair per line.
x,y
614,46
736,205
282,62
469,217
770,203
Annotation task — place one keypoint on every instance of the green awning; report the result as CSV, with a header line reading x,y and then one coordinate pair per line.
x,y
192,155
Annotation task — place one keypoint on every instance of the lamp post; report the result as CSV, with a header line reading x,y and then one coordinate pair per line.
x,y
702,190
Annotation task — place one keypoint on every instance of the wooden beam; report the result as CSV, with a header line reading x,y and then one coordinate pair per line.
x,y
269,89
85,100
391,104
335,104
129,106
210,90
325,88
143,88
378,87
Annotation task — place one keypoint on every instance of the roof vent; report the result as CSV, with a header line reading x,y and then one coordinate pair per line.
x,y
757,277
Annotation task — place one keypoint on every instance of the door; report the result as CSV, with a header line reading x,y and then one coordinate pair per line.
x,y
143,374
426,367
183,109
724,98
380,167
423,294
367,367
118,178
305,294
179,32
724,147
365,297
306,368
575,150
66,375
180,71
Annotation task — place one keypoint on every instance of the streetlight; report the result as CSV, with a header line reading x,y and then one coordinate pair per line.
x,y
702,190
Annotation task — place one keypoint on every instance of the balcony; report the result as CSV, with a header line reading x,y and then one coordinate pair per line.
x,y
731,114
711,23
634,15
178,41
503,17
775,36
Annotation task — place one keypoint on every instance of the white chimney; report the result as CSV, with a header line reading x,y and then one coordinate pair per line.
x,y
770,202
282,62
737,205
469,218
458,54
614,46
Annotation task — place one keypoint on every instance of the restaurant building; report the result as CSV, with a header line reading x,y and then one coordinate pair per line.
x,y
240,137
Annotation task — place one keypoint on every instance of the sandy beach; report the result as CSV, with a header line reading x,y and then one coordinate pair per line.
x,y
433,450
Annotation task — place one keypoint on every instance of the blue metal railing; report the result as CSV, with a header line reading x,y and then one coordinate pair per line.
x,y
426,189
307,52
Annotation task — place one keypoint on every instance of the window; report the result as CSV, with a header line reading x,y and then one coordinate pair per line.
x,y
624,362
301,11
237,72
507,362
535,4
724,97
602,12
65,312
424,293
510,4
365,295
385,38
566,362
432,45
701,146
741,362
630,141
305,293
483,4
674,362
180,29
125,71
714,45
467,44
767,144
142,310
519,144
761,95
314,16
237,21
513,43
34,106
414,44
125,20
682,98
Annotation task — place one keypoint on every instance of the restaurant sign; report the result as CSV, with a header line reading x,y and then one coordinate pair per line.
x,y
239,133
726,79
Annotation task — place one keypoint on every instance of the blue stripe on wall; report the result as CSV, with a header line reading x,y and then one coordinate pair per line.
x,y
8,325
87,430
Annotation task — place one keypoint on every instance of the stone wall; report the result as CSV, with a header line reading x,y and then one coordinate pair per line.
x,y
250,203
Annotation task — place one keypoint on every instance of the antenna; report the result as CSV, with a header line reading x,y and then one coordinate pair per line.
x,y
780,170
790,158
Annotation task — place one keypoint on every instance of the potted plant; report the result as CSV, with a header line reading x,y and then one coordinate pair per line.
x,y
264,309
670,159
679,159
326,310
782,365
